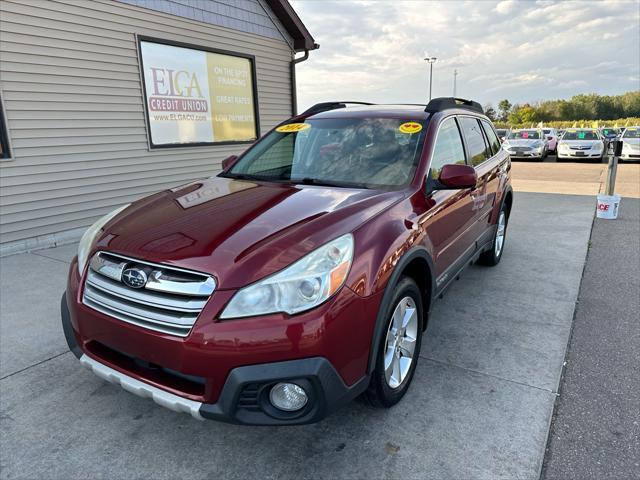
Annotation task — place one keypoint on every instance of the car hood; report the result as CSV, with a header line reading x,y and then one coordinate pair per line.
x,y
236,230
631,141
522,142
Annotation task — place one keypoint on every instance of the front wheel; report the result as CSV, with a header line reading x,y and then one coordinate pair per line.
x,y
400,346
492,257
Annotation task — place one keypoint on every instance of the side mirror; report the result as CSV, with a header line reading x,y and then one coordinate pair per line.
x,y
456,177
228,162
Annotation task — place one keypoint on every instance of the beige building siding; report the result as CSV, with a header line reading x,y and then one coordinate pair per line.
x,y
71,86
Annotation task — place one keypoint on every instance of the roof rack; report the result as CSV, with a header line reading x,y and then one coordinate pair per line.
x,y
443,103
326,106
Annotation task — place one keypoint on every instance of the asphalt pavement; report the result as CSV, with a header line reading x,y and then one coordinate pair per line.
x,y
480,405
596,427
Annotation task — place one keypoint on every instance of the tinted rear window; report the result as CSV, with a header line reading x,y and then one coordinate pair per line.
x,y
493,139
478,150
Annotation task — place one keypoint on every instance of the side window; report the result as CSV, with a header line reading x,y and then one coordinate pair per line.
x,y
448,148
491,135
475,140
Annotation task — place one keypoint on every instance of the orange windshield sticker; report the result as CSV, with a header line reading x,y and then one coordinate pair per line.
x,y
410,127
293,127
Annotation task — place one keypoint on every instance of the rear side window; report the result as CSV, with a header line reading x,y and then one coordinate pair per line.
x,y
478,150
491,136
448,148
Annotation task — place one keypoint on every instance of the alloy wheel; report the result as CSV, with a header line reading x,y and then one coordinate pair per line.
x,y
502,225
401,342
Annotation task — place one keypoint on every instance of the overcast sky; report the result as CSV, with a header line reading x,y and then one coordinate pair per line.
x,y
520,50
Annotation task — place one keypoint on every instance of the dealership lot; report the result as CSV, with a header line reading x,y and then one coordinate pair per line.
x,y
480,406
574,178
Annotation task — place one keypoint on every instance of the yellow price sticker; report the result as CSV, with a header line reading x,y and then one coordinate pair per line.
x,y
410,127
293,127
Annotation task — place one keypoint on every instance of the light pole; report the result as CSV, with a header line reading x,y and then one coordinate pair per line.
x,y
430,61
455,75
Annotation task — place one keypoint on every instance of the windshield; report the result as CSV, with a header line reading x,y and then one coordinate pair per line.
x,y
632,133
363,152
526,135
609,132
580,135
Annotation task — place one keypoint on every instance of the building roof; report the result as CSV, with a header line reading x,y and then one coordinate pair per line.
x,y
302,39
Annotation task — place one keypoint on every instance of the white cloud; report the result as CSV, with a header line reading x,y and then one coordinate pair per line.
x,y
505,6
524,51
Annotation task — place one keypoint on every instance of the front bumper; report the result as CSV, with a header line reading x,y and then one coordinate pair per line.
x,y
583,154
526,155
630,155
245,395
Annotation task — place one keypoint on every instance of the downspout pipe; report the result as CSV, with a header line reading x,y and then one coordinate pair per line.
x,y
292,74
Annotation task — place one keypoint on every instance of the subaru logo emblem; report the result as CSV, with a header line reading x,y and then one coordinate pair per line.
x,y
134,277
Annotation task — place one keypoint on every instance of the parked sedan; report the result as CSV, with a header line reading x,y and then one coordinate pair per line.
x,y
552,138
610,133
579,143
631,144
522,144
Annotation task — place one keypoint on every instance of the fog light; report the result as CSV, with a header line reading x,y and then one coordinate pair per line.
x,y
288,397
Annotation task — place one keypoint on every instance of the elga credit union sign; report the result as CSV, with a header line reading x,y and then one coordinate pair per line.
x,y
196,96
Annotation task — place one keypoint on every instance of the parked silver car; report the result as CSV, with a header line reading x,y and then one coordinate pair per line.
x,y
530,143
581,143
631,144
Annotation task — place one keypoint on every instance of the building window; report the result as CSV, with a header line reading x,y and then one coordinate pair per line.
x,y
5,151
196,96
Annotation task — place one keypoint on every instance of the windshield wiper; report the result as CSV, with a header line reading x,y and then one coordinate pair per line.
x,y
326,183
248,176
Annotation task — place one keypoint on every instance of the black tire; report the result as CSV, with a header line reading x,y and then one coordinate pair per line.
x,y
491,257
379,393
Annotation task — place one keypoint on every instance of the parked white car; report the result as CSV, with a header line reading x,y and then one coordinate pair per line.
x,y
552,138
631,144
579,143
502,133
526,144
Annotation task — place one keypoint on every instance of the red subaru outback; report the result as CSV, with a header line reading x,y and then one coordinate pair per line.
x,y
302,275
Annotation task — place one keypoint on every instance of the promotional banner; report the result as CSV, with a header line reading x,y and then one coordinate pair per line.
x,y
194,96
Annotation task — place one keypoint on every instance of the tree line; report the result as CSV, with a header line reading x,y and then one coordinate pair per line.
x,y
579,107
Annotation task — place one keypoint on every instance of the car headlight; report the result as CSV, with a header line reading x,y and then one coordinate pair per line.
x,y
301,286
563,146
89,236
626,146
537,144
598,146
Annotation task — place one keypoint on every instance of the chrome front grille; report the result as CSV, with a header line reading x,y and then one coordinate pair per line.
x,y
169,302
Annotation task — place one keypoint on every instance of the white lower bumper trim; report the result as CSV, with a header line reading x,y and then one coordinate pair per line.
x,y
162,398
